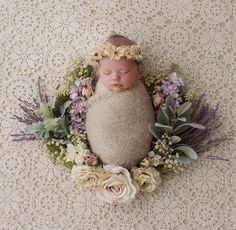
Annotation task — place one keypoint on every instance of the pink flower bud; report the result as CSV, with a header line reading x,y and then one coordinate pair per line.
x,y
158,98
90,159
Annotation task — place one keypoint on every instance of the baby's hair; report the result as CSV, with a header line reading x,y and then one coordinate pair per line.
x,y
119,40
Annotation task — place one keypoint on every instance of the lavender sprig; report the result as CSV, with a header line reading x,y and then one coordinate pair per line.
x,y
30,114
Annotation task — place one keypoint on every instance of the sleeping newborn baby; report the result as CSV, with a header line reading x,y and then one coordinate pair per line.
x,y
120,111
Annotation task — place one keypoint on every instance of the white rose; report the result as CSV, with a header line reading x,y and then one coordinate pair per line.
x,y
86,175
147,178
116,185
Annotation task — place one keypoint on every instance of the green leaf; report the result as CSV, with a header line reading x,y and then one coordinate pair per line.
x,y
38,129
154,131
166,127
184,108
184,119
174,67
89,69
190,152
63,107
184,126
45,110
50,123
172,110
34,128
184,160
170,101
167,120
162,117
175,139
52,102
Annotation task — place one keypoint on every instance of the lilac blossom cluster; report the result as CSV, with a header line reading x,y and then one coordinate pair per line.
x,y
80,91
172,86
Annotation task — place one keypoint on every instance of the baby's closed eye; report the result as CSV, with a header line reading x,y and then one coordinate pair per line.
x,y
106,72
124,71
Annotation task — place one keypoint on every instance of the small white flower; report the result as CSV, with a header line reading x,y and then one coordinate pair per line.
x,y
76,153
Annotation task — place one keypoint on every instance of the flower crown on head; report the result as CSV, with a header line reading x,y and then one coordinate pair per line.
x,y
107,49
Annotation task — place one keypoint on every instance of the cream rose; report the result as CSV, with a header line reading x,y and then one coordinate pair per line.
x,y
147,178
86,175
116,185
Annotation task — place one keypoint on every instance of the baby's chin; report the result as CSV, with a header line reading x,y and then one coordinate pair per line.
x,y
118,88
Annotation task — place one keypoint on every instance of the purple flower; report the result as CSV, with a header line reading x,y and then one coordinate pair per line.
x,y
80,102
172,86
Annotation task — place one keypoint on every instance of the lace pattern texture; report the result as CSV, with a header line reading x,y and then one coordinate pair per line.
x,y
39,38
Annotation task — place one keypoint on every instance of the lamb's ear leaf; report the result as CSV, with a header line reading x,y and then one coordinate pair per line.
x,y
184,108
167,128
183,127
162,116
34,127
170,101
183,119
187,150
175,139
154,131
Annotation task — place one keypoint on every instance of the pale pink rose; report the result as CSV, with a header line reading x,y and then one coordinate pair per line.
x,y
116,185
158,98
90,159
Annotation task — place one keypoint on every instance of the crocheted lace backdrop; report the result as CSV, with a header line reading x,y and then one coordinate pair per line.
x,y
38,38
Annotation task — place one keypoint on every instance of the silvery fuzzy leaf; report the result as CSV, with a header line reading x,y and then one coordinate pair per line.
x,y
162,117
175,139
154,131
170,101
166,127
184,108
183,119
184,126
38,129
34,128
184,160
190,152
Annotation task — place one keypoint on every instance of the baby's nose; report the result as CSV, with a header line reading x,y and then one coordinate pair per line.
x,y
116,76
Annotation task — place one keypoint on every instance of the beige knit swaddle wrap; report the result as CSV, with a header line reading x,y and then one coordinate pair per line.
x,y
117,124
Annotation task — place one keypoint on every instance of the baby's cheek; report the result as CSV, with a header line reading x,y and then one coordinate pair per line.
x,y
129,81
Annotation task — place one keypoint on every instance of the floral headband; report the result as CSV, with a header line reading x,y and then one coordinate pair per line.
x,y
106,49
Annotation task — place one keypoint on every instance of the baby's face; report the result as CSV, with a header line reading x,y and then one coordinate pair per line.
x,y
117,75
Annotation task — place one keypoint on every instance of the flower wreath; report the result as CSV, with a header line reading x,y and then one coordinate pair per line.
x,y
180,133
106,49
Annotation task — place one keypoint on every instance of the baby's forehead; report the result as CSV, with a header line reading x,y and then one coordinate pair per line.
x,y
108,62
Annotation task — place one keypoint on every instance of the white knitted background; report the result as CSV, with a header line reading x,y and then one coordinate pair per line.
x,y
39,37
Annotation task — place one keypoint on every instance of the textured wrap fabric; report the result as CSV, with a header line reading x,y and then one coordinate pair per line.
x,y
117,124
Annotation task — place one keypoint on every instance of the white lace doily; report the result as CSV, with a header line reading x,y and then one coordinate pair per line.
x,y
38,38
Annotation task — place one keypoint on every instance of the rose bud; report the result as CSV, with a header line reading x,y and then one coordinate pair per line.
x,y
90,159
158,98
146,162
